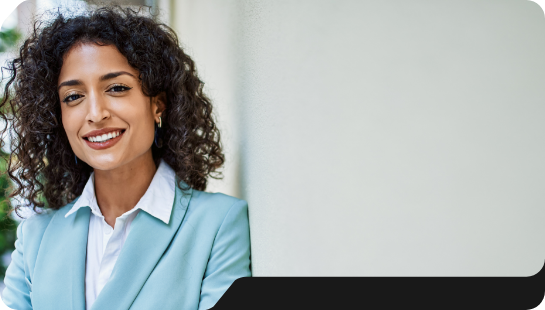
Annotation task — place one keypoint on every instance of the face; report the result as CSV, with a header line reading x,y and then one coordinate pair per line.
x,y
107,118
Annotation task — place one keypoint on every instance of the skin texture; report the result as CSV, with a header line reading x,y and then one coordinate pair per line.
x,y
123,172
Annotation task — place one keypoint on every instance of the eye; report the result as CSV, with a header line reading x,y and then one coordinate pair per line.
x,y
71,97
118,88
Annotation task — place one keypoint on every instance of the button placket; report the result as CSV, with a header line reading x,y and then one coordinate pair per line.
x,y
106,236
112,240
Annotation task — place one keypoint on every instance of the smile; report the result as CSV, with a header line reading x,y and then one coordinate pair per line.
x,y
103,139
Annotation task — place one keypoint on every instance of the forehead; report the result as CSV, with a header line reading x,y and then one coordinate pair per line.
x,y
88,60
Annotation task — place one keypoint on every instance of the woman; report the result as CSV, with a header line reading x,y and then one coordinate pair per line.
x,y
115,143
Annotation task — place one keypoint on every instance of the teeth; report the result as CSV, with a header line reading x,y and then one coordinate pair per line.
x,y
105,137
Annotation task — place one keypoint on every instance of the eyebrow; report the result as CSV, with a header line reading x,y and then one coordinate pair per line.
x,y
105,77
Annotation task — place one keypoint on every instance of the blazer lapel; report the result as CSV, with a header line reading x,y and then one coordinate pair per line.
x,y
148,239
60,264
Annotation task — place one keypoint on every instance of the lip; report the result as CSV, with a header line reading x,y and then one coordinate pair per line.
x,y
101,131
105,144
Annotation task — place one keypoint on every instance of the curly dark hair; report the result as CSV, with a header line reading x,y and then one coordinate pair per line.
x,y
42,164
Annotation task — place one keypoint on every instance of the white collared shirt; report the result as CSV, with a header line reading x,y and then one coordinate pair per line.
x,y
104,243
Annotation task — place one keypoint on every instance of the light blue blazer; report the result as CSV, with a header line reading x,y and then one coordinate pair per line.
x,y
187,264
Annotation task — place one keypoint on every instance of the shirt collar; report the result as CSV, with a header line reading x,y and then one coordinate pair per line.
x,y
157,200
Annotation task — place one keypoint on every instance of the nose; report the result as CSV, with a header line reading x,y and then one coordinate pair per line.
x,y
97,109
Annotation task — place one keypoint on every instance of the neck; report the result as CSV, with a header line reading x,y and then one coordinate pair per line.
x,y
119,190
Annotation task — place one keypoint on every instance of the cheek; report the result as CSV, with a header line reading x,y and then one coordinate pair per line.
x,y
70,123
145,130
137,115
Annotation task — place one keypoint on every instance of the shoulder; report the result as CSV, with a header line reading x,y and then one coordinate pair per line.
x,y
211,214
218,201
33,227
36,223
215,205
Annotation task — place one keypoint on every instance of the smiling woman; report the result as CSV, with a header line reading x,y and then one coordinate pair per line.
x,y
101,97
115,143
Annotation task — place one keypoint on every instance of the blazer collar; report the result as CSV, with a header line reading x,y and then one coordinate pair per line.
x,y
60,262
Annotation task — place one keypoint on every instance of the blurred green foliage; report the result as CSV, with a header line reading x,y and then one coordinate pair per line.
x,y
8,38
8,226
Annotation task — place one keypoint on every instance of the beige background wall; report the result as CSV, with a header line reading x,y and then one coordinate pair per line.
x,y
380,138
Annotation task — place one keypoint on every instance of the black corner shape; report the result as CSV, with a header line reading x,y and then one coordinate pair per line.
x,y
436,293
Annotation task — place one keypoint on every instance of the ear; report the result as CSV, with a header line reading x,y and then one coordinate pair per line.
x,y
159,104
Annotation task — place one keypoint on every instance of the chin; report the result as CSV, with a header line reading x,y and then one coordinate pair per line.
x,y
104,163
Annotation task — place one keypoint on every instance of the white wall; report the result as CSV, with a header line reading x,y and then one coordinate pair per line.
x,y
207,32
380,138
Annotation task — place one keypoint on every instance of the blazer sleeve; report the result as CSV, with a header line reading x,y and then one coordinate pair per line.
x,y
230,255
17,292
